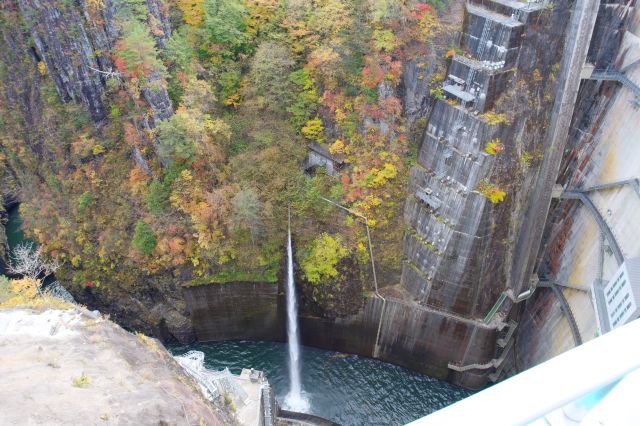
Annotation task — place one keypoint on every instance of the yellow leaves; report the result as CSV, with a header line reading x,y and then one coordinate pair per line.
x,y
96,4
373,201
494,119
491,191
76,261
324,63
450,54
494,147
186,175
42,68
377,178
337,147
25,287
218,129
260,13
192,11
137,180
537,75
93,177
496,196
98,149
233,101
430,24
314,130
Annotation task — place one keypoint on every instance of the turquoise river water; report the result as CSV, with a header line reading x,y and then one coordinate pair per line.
x,y
347,389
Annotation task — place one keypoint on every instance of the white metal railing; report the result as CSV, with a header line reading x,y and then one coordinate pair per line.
x,y
213,383
572,385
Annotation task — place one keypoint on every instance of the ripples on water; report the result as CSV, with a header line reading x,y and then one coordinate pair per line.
x,y
348,389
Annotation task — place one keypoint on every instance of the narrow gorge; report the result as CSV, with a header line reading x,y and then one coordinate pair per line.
x,y
458,179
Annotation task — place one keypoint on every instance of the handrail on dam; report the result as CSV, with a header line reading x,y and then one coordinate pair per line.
x,y
558,383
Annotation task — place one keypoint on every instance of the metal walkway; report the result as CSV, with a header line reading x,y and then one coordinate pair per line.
x,y
566,310
613,75
604,227
633,182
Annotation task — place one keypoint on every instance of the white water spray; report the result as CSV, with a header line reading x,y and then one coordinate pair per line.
x,y
294,400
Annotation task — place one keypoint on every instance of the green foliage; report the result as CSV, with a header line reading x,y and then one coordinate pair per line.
x,y
136,9
384,40
5,289
179,51
371,95
305,100
115,113
269,75
158,198
137,51
441,5
225,277
144,240
85,200
175,140
247,213
437,93
80,119
229,82
321,256
224,23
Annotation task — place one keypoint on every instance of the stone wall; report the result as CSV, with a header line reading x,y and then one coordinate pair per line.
x,y
237,311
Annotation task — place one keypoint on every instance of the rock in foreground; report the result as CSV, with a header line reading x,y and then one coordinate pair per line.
x,y
74,367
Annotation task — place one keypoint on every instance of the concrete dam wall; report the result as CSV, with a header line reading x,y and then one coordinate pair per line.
x,y
410,335
602,150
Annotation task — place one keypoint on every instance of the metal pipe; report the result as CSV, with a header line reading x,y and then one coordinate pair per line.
x,y
373,267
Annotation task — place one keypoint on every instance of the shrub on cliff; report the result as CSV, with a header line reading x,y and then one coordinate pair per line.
x,y
321,256
144,240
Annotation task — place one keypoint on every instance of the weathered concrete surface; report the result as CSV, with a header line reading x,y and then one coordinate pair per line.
x,y
603,149
237,311
130,380
412,336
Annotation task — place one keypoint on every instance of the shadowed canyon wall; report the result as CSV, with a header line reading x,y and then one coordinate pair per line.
x,y
484,172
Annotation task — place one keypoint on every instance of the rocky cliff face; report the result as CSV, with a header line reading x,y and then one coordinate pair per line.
x,y
70,43
73,42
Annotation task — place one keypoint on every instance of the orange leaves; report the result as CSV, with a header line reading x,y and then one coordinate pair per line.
x,y
176,245
131,136
138,180
325,64
372,75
